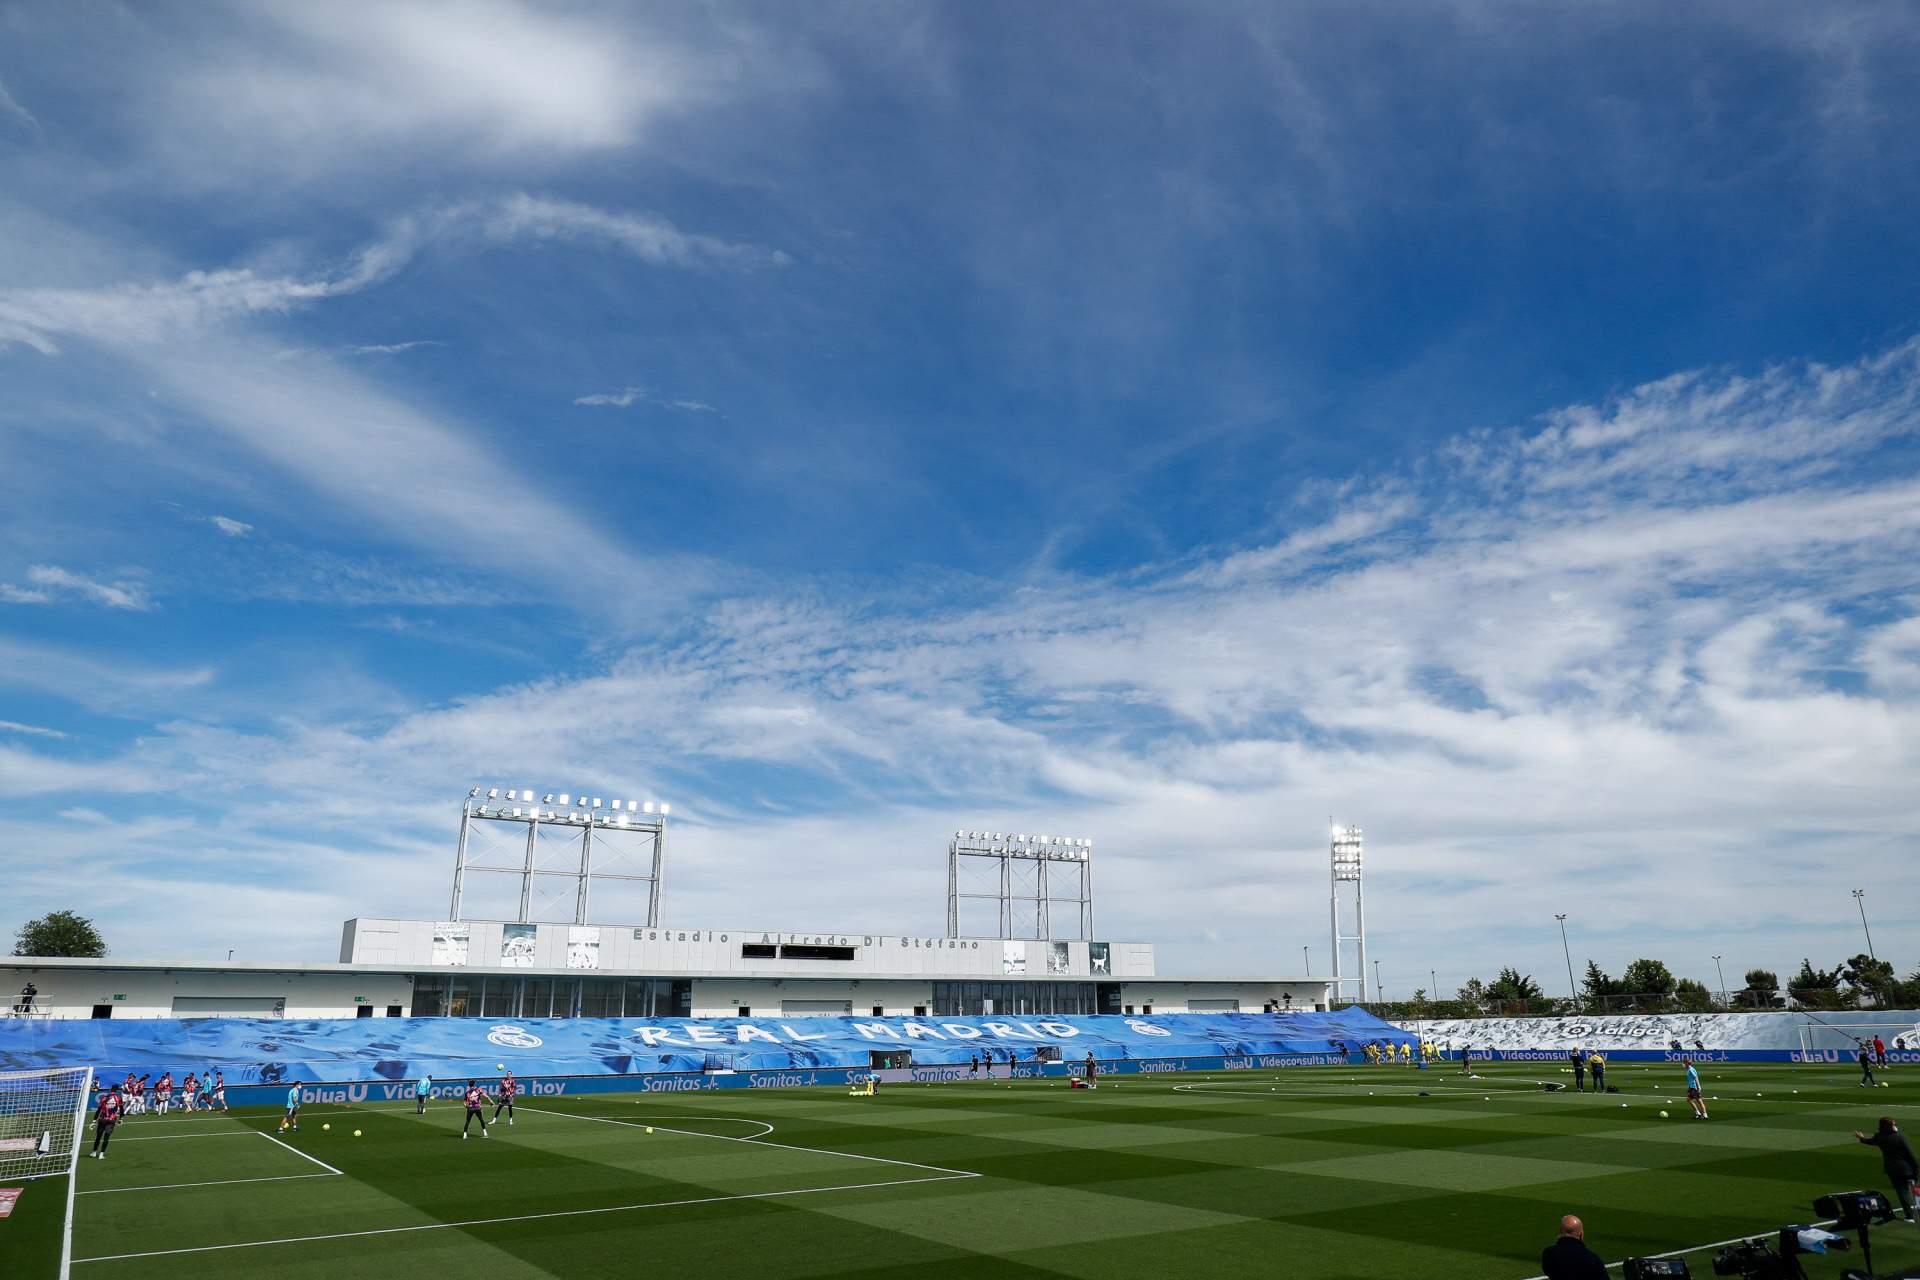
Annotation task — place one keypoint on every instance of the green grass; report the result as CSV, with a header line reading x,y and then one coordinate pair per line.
x,y
1335,1172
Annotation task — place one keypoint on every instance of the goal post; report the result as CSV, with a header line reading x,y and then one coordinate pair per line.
x,y
43,1119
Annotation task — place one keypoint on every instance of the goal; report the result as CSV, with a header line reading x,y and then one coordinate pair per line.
x,y
42,1120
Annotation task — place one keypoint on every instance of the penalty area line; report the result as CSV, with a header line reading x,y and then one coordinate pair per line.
x,y
223,1182
297,1151
520,1217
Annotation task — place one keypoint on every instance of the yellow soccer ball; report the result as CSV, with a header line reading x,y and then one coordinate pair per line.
x,y
356,1133
649,1128
325,1127
1663,1115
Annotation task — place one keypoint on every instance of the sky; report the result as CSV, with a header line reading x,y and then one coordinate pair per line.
x,y
1490,425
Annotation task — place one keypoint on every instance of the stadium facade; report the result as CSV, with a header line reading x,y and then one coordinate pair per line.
x,y
511,969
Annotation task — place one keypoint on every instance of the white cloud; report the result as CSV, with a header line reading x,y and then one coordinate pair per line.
x,y
291,86
627,397
229,526
49,583
169,312
33,730
10,108
392,348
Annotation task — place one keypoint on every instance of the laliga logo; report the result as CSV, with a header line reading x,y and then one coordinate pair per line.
x,y
1147,1028
513,1038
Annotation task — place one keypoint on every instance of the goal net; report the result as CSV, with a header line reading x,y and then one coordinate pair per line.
x,y
42,1116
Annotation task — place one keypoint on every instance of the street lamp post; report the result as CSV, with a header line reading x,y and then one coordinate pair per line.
x,y
1573,991
1435,975
1723,981
1860,900
1306,965
1378,994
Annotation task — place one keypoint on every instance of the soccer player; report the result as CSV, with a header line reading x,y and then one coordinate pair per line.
x,y
1598,1065
1093,1069
1579,1070
422,1090
206,1090
189,1091
508,1087
1879,1052
1694,1100
1896,1156
105,1117
291,1120
973,1067
219,1091
163,1092
1866,1066
474,1099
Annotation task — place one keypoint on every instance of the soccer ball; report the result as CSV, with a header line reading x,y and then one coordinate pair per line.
x,y
499,1066
649,1128
1663,1115
356,1133
325,1128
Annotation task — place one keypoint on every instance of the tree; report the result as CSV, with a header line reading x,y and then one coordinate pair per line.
x,y
1817,987
1647,978
1474,994
59,933
1513,988
1692,997
1598,985
1870,978
1762,990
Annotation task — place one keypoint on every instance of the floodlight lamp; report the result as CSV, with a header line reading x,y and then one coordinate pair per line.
x,y
663,810
547,798
566,800
596,802
516,813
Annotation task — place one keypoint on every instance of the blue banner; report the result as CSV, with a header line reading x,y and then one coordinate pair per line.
x,y
398,1050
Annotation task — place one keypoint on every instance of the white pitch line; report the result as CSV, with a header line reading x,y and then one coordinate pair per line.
x,y
223,1182
760,1141
525,1217
175,1137
297,1151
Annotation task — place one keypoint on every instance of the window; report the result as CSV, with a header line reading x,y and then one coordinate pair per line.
x,y
498,997
758,951
640,998
363,1011
103,1011
394,1011
537,1000
919,1011
1146,1008
879,1011
462,1000
746,1011
1129,1008
430,996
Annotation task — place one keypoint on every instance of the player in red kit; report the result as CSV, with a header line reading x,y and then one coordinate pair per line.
x,y
508,1088
163,1092
105,1117
475,1098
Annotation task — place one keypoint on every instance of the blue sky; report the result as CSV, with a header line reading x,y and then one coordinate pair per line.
x,y
1490,424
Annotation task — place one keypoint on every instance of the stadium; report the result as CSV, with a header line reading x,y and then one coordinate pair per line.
x,y
929,639
990,1101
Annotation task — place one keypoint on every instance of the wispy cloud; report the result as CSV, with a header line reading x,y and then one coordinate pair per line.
x,y
167,312
391,348
229,526
10,109
31,730
48,583
627,397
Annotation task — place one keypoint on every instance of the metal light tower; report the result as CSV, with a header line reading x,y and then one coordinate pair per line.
x,y
1024,892
1347,850
574,842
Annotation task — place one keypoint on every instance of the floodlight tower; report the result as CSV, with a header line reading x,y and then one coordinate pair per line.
x,y
576,841
1023,890
1347,850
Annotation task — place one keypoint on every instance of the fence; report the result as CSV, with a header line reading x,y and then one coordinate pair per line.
x,y
1817,999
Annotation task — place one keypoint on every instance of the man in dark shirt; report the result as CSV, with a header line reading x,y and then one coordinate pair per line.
x,y
1866,1066
1568,1258
1579,1070
1896,1157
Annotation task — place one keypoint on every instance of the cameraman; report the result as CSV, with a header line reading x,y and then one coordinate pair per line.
x,y
1568,1257
1896,1156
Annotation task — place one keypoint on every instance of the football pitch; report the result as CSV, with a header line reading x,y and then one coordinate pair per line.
x,y
1306,1172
